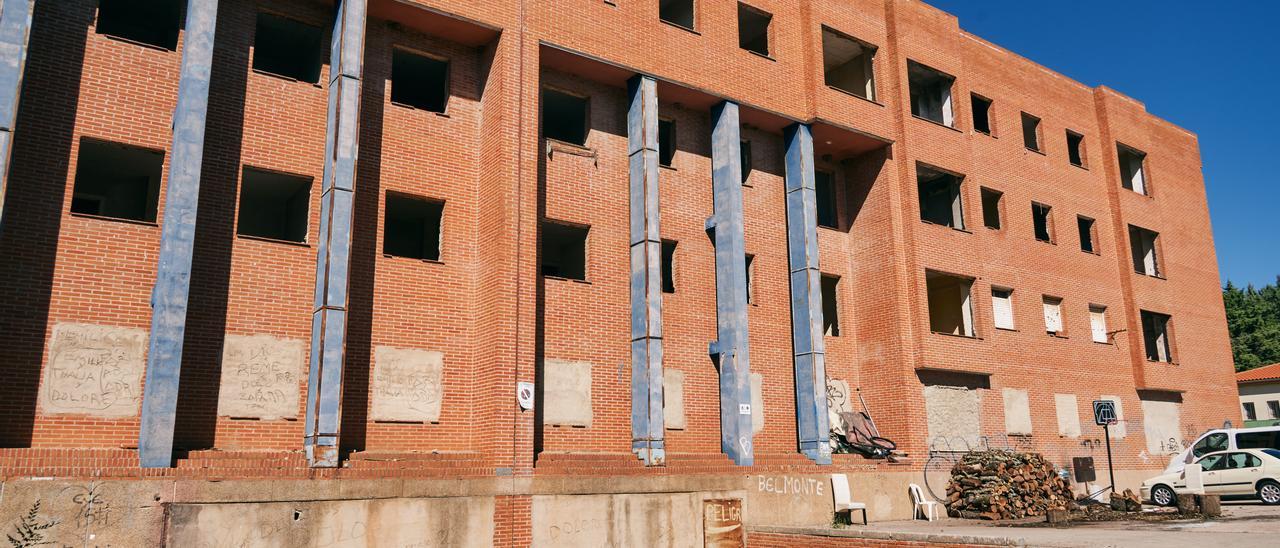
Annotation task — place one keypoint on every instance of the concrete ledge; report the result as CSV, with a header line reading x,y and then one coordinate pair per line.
x,y
854,532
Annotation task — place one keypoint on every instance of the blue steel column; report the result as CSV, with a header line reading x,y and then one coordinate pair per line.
x,y
15,26
333,261
731,285
647,427
177,239
806,297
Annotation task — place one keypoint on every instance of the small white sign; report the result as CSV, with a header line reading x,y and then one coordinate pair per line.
x,y
744,409
524,395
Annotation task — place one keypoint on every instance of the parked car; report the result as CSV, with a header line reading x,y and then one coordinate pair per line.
x,y
1225,439
1244,472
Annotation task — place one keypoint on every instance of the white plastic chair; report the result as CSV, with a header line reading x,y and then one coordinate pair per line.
x,y
1195,479
844,500
923,507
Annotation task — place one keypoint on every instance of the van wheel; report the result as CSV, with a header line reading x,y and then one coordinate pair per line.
x,y
1162,495
1269,492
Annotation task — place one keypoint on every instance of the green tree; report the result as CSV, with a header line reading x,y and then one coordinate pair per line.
x,y
1253,320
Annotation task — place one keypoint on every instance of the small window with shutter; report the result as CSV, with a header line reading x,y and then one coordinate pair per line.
x,y
1002,307
1053,315
1098,321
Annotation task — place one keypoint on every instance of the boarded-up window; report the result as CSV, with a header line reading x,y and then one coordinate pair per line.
x,y
1002,307
1098,323
1053,315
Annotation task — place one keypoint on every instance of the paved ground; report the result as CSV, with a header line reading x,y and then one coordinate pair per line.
x,y
1243,523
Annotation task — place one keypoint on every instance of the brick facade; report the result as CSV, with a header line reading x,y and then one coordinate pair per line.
x,y
484,304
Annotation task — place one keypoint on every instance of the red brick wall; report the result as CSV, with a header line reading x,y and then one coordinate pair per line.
x,y
495,319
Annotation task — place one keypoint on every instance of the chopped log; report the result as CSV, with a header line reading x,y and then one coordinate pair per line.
x,y
1211,505
1187,504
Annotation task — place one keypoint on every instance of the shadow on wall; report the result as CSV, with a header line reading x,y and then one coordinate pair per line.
x,y
197,412
33,205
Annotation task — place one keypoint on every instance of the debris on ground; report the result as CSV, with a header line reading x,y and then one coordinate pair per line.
x,y
1001,485
1126,502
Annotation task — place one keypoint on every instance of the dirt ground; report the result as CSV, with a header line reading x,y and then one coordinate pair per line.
x,y
1243,523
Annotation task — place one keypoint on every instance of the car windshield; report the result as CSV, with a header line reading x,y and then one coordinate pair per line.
x,y
1216,441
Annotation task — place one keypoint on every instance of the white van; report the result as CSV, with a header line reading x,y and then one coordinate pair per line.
x,y
1226,439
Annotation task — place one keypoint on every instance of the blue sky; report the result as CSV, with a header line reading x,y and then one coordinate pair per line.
x,y
1205,67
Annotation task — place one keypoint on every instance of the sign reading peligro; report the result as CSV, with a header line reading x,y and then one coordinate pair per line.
x,y
722,523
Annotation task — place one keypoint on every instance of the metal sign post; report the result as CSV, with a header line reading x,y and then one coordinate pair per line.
x,y
1104,414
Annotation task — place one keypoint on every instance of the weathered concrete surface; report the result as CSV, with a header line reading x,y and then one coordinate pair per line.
x,y
94,370
1068,415
954,414
673,399
567,393
757,403
1017,411
1162,423
407,385
809,501
260,377
668,519
455,521
86,513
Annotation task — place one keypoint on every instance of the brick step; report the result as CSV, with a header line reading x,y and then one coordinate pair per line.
x,y
217,459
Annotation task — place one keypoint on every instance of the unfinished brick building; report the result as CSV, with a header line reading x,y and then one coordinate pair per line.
x,y
312,243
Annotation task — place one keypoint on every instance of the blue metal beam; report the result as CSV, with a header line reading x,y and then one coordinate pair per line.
x,y
15,26
333,260
177,239
806,297
731,348
647,426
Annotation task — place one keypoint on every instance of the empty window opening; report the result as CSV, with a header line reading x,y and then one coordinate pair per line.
x,y
981,114
1088,234
412,227
1250,414
847,64
930,94
950,310
564,117
830,305
1002,307
1031,132
1132,163
666,142
668,266
753,29
117,181
992,208
744,157
288,48
1075,148
751,265
1274,407
1098,323
151,22
1053,315
825,189
677,12
274,205
1155,333
1145,246
564,250
419,81
940,201
1042,218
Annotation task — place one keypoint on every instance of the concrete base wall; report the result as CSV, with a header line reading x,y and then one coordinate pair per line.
x,y
565,511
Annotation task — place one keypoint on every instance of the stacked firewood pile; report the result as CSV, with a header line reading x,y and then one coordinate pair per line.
x,y
1005,485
